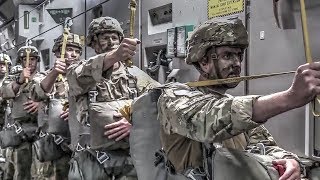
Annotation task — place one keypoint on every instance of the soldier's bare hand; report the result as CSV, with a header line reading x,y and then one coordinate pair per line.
x,y
31,106
118,130
65,114
127,49
60,66
292,169
25,74
306,84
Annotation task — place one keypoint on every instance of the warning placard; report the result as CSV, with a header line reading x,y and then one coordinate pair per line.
x,y
219,8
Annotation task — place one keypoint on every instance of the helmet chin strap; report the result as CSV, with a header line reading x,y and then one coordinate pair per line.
x,y
218,75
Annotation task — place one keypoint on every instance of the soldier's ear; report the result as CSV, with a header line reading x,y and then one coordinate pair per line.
x,y
204,61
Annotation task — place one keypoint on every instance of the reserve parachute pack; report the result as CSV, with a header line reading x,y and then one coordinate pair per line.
x,y
100,114
54,136
227,164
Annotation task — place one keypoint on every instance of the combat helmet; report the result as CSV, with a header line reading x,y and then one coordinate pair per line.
x,y
72,40
5,57
101,25
215,33
22,53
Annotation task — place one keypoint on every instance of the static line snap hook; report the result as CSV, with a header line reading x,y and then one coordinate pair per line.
x,y
28,42
68,22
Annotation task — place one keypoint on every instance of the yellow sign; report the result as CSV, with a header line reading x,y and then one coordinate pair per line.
x,y
219,8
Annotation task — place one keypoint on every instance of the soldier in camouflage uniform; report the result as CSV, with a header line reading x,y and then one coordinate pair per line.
x,y
98,85
5,63
24,111
193,116
54,88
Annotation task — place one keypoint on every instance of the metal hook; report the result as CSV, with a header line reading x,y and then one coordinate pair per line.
x,y
68,22
28,42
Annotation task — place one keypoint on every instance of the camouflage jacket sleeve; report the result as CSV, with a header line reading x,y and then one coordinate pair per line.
x,y
84,75
204,117
262,135
37,93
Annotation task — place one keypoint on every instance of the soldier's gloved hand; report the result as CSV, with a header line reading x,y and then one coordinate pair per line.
x,y
118,130
25,74
292,169
65,114
127,49
60,66
31,106
306,84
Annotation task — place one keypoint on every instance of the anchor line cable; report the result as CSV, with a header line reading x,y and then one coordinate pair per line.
x,y
60,24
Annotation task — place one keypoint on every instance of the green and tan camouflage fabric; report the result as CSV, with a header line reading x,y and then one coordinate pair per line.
x,y
25,89
72,40
215,33
111,85
3,104
22,53
60,90
5,57
101,25
57,169
22,155
191,116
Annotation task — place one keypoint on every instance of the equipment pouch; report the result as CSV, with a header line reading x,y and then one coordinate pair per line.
x,y
56,124
230,164
47,149
18,112
114,162
10,138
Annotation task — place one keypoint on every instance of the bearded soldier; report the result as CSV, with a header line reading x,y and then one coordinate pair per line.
x,y
100,87
23,120
193,118
53,90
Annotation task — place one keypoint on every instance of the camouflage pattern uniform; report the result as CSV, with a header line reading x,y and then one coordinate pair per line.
x,y
3,59
193,116
60,91
22,156
111,85
4,164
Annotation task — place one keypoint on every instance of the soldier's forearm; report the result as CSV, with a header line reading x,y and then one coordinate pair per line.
x,y
48,82
109,60
269,106
15,87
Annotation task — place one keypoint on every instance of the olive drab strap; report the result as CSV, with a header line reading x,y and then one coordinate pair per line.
x,y
65,34
233,80
132,7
